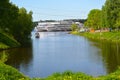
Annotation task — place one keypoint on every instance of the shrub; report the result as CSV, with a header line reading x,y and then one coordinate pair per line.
x,y
9,73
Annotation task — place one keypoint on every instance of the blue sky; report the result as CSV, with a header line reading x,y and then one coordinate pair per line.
x,y
59,9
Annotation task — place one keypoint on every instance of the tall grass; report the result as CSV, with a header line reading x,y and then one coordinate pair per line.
x,y
3,57
9,73
108,36
7,41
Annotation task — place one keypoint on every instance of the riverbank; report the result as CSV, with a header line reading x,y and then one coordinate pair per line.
x,y
9,73
7,41
67,75
108,36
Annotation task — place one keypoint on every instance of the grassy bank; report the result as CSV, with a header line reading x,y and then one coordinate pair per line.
x,y
108,36
68,75
9,73
7,41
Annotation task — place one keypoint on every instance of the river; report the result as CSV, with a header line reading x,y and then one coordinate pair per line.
x,y
60,51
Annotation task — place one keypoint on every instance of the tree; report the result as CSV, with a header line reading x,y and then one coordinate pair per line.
x,y
94,19
23,26
112,8
13,16
104,22
74,27
8,14
118,21
4,7
14,21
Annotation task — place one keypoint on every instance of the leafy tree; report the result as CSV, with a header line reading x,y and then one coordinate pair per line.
x,y
14,21
4,6
112,8
8,14
94,19
23,26
118,21
13,16
74,27
104,23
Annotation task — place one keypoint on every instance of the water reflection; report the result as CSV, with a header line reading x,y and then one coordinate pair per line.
x,y
110,53
59,51
20,58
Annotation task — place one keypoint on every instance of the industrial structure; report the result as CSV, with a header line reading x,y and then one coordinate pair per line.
x,y
56,26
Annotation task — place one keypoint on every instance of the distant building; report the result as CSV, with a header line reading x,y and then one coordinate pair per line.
x,y
56,26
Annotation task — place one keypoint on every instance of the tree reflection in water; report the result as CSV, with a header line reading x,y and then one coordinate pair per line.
x,y
110,52
18,57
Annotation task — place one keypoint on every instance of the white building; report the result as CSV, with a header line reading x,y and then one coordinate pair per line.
x,y
56,26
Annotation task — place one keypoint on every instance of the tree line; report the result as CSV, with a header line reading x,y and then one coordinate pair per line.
x,y
107,17
15,21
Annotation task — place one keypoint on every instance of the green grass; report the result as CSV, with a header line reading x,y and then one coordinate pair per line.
x,y
3,46
108,36
68,75
113,76
7,41
9,73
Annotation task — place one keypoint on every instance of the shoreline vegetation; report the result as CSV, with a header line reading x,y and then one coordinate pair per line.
x,y
16,25
7,41
9,73
107,36
20,25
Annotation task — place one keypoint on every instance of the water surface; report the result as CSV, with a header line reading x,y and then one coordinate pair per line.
x,y
60,51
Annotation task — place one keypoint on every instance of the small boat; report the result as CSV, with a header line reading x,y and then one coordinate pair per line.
x,y
37,35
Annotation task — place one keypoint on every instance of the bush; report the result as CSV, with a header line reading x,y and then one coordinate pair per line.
x,y
9,73
3,46
7,41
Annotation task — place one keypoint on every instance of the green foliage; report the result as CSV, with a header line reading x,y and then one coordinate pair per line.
x,y
23,26
118,21
3,12
108,36
74,27
108,17
8,15
15,21
94,19
3,46
112,8
7,41
113,76
9,73
68,75
104,22
37,79
3,57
